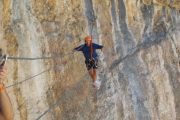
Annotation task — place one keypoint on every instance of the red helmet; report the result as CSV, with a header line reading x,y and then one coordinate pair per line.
x,y
88,38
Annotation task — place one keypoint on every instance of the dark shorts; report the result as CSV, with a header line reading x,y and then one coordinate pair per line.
x,y
91,64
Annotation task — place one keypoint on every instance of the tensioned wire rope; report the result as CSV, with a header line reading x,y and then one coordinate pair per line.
x,y
42,72
38,58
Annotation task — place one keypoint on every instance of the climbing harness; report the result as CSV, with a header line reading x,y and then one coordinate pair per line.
x,y
91,63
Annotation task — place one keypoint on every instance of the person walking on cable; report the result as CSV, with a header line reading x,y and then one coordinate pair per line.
x,y
91,58
6,111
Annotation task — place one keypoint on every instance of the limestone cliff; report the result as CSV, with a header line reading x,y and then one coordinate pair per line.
x,y
139,65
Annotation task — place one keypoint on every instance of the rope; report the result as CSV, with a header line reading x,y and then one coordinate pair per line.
x,y
50,108
92,21
38,58
57,102
30,78
27,79
91,46
24,58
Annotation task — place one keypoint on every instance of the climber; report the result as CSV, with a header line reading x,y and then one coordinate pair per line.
x,y
91,58
6,112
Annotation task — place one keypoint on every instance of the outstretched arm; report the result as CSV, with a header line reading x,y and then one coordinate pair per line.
x,y
79,48
96,46
6,111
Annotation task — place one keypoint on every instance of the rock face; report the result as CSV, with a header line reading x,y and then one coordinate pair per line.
x,y
139,65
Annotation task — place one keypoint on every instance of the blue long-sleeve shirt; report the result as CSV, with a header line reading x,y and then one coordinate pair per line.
x,y
86,50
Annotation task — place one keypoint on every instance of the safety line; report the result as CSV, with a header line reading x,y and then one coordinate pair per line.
x,y
50,108
56,103
27,79
38,58
20,58
26,58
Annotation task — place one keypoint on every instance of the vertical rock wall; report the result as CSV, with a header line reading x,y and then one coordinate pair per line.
x,y
139,65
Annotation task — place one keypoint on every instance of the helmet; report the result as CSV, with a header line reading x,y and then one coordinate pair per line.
x,y
88,38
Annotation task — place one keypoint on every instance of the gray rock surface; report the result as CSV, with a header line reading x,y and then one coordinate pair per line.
x,y
139,65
